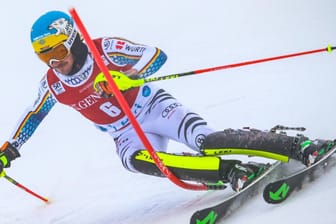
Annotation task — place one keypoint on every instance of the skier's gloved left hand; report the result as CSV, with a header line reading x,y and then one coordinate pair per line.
x,y
7,153
122,81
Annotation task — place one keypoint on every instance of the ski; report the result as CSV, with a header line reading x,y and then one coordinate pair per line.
x,y
278,191
219,211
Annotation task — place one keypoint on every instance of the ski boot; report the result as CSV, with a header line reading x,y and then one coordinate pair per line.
x,y
312,151
241,175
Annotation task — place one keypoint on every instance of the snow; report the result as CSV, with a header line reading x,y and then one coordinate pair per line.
x,y
76,167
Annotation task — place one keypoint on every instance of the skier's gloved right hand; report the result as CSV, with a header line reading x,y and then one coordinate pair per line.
x,y
7,153
123,82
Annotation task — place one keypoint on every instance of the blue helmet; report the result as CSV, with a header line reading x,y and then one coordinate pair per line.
x,y
51,29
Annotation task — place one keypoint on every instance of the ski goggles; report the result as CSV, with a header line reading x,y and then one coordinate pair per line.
x,y
54,54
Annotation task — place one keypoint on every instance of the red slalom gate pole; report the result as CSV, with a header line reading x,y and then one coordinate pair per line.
x,y
121,100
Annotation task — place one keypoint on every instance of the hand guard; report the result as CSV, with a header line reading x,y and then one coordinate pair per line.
x,y
122,81
103,89
7,153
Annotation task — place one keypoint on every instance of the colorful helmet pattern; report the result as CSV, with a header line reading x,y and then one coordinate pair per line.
x,y
51,29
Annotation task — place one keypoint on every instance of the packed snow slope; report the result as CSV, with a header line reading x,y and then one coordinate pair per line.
x,y
75,165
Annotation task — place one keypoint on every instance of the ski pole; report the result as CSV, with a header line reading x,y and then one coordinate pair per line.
x,y
3,174
328,49
139,82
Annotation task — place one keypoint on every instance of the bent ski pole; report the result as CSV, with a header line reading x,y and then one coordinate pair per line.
x,y
126,109
3,174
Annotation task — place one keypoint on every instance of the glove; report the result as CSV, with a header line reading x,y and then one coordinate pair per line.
x,y
122,81
7,153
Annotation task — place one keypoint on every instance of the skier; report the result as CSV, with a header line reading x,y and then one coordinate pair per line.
x,y
74,79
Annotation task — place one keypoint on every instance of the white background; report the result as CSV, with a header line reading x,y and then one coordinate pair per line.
x,y
73,164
